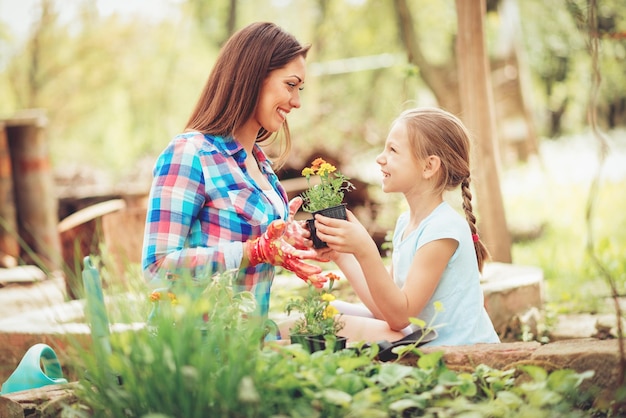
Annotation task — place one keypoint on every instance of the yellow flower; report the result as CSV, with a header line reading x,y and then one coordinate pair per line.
x,y
326,169
329,191
319,317
327,297
330,311
155,296
438,306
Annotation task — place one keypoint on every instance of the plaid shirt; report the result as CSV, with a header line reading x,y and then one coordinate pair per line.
x,y
203,205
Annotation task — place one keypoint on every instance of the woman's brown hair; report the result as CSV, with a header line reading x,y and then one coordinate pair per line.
x,y
232,90
433,131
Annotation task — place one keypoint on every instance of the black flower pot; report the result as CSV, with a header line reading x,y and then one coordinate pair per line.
x,y
337,212
314,343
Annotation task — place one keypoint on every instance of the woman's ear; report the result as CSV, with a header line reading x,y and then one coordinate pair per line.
x,y
432,163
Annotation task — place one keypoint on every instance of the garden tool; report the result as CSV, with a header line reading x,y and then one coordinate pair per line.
x,y
95,311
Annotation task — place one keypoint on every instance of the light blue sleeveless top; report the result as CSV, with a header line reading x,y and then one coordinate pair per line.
x,y
464,319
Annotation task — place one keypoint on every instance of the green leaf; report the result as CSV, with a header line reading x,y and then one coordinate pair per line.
x,y
566,380
430,360
537,373
336,397
448,377
391,374
416,321
404,404
349,383
352,363
510,399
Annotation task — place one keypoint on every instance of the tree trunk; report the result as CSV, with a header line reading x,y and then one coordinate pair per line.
x,y
479,116
442,80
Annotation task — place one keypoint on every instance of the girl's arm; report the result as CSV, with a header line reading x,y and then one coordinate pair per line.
x,y
394,305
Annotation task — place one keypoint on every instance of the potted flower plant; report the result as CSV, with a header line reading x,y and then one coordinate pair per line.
x,y
320,321
326,196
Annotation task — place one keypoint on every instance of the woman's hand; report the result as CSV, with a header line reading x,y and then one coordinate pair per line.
x,y
272,248
295,233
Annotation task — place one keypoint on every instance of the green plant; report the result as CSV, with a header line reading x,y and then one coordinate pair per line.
x,y
318,316
186,366
190,360
330,190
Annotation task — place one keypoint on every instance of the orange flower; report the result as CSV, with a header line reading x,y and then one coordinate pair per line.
x,y
317,163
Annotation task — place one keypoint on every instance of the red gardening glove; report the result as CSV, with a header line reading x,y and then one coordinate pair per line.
x,y
272,248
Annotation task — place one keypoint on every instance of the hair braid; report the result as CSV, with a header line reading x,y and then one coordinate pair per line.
x,y
481,251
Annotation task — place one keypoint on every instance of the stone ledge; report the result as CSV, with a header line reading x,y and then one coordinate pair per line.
x,y
601,356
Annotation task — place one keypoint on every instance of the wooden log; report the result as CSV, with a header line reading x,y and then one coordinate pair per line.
x,y
47,401
33,184
8,219
123,233
81,235
10,409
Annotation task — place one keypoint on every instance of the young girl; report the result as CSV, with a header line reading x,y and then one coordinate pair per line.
x,y
437,255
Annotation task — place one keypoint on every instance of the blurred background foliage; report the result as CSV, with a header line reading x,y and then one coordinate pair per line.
x,y
117,87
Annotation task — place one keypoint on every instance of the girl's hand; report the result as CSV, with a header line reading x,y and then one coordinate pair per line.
x,y
326,254
348,236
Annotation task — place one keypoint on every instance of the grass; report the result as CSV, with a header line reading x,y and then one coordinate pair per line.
x,y
554,195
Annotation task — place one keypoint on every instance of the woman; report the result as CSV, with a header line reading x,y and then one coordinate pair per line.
x,y
215,203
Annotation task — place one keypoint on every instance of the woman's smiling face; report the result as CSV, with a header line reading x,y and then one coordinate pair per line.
x,y
279,94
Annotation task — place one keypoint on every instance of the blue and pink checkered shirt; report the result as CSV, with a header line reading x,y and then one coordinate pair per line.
x,y
202,206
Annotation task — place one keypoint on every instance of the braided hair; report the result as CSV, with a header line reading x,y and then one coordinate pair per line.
x,y
433,131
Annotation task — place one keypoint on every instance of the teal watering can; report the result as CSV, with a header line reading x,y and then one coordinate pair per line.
x,y
39,367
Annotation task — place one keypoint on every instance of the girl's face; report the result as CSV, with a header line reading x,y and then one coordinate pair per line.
x,y
279,94
400,169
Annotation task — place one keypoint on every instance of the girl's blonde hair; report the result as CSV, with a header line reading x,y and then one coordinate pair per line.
x,y
433,131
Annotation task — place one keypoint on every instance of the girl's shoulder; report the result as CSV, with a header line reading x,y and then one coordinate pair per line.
x,y
444,222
